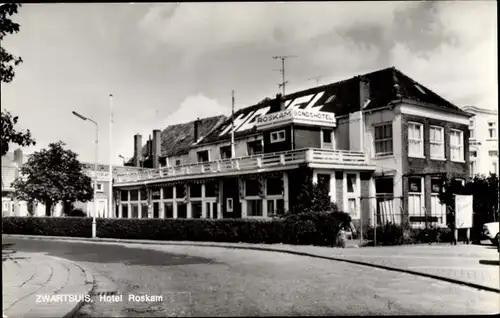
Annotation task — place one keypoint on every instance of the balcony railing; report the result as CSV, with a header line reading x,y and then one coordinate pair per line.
x,y
255,162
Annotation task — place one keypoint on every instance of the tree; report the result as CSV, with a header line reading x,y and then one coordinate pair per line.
x,y
7,26
53,175
8,61
313,197
11,135
485,192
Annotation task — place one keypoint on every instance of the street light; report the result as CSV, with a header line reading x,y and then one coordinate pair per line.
x,y
94,232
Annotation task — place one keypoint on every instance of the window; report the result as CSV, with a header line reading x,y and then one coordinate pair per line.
x,y
274,186
254,147
352,194
252,187
416,201
473,154
178,162
327,136
100,187
456,145
155,194
168,210
492,129
351,183
195,190
275,207
472,168
203,156
472,126
135,210
180,191
181,210
254,208
211,189
324,181
196,209
415,140
144,194
278,136
383,139
225,152
438,210
124,195
436,136
145,211
168,192
494,161
125,211
229,204
134,195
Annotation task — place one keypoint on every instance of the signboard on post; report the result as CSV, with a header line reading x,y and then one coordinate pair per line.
x,y
463,211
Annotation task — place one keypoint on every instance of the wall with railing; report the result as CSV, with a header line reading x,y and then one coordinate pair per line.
x,y
255,162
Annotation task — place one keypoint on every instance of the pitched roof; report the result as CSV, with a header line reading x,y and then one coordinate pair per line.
x,y
177,139
342,98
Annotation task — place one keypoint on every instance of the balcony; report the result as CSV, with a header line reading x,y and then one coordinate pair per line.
x,y
314,158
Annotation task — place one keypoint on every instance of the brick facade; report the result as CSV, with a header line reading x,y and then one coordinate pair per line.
x,y
427,167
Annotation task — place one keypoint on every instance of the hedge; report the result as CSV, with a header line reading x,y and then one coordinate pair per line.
x,y
311,229
393,234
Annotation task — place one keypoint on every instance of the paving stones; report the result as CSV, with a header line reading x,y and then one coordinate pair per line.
x,y
29,283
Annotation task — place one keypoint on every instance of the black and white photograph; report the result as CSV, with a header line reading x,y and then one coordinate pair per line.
x,y
246,159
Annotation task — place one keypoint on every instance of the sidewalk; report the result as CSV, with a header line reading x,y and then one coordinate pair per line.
x,y
28,277
458,264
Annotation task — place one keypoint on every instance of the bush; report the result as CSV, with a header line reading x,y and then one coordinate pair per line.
x,y
49,226
304,229
393,234
77,212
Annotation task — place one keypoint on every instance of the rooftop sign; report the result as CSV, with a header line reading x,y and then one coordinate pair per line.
x,y
298,116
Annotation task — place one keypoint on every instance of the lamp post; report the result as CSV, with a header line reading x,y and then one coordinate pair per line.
x,y
110,189
94,232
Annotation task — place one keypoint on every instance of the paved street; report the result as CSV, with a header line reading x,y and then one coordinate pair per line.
x,y
209,281
29,278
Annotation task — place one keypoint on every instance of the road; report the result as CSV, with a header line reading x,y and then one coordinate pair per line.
x,y
208,281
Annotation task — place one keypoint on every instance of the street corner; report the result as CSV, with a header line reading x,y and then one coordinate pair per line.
x,y
41,285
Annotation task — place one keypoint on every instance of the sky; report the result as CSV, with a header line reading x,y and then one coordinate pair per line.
x,y
168,63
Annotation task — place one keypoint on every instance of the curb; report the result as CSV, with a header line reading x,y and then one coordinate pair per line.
x,y
89,279
258,248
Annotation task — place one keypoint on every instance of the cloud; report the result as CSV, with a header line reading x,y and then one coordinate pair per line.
x,y
463,71
212,26
191,108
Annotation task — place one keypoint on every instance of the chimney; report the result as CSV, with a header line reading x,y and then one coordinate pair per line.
x,y
281,101
364,91
137,150
18,157
156,148
196,124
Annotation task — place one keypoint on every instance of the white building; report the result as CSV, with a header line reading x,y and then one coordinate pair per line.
x,y
483,140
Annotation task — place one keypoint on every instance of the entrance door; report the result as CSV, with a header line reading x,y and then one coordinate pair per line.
x,y
156,210
211,210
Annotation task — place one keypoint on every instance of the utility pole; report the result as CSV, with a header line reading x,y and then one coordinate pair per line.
x,y
232,125
283,58
317,78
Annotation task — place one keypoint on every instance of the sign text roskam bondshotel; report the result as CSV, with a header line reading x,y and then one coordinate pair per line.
x,y
295,114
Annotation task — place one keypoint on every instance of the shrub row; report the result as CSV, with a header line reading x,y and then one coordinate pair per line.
x,y
393,234
311,229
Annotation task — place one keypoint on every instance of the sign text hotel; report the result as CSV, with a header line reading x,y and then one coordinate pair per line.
x,y
297,116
